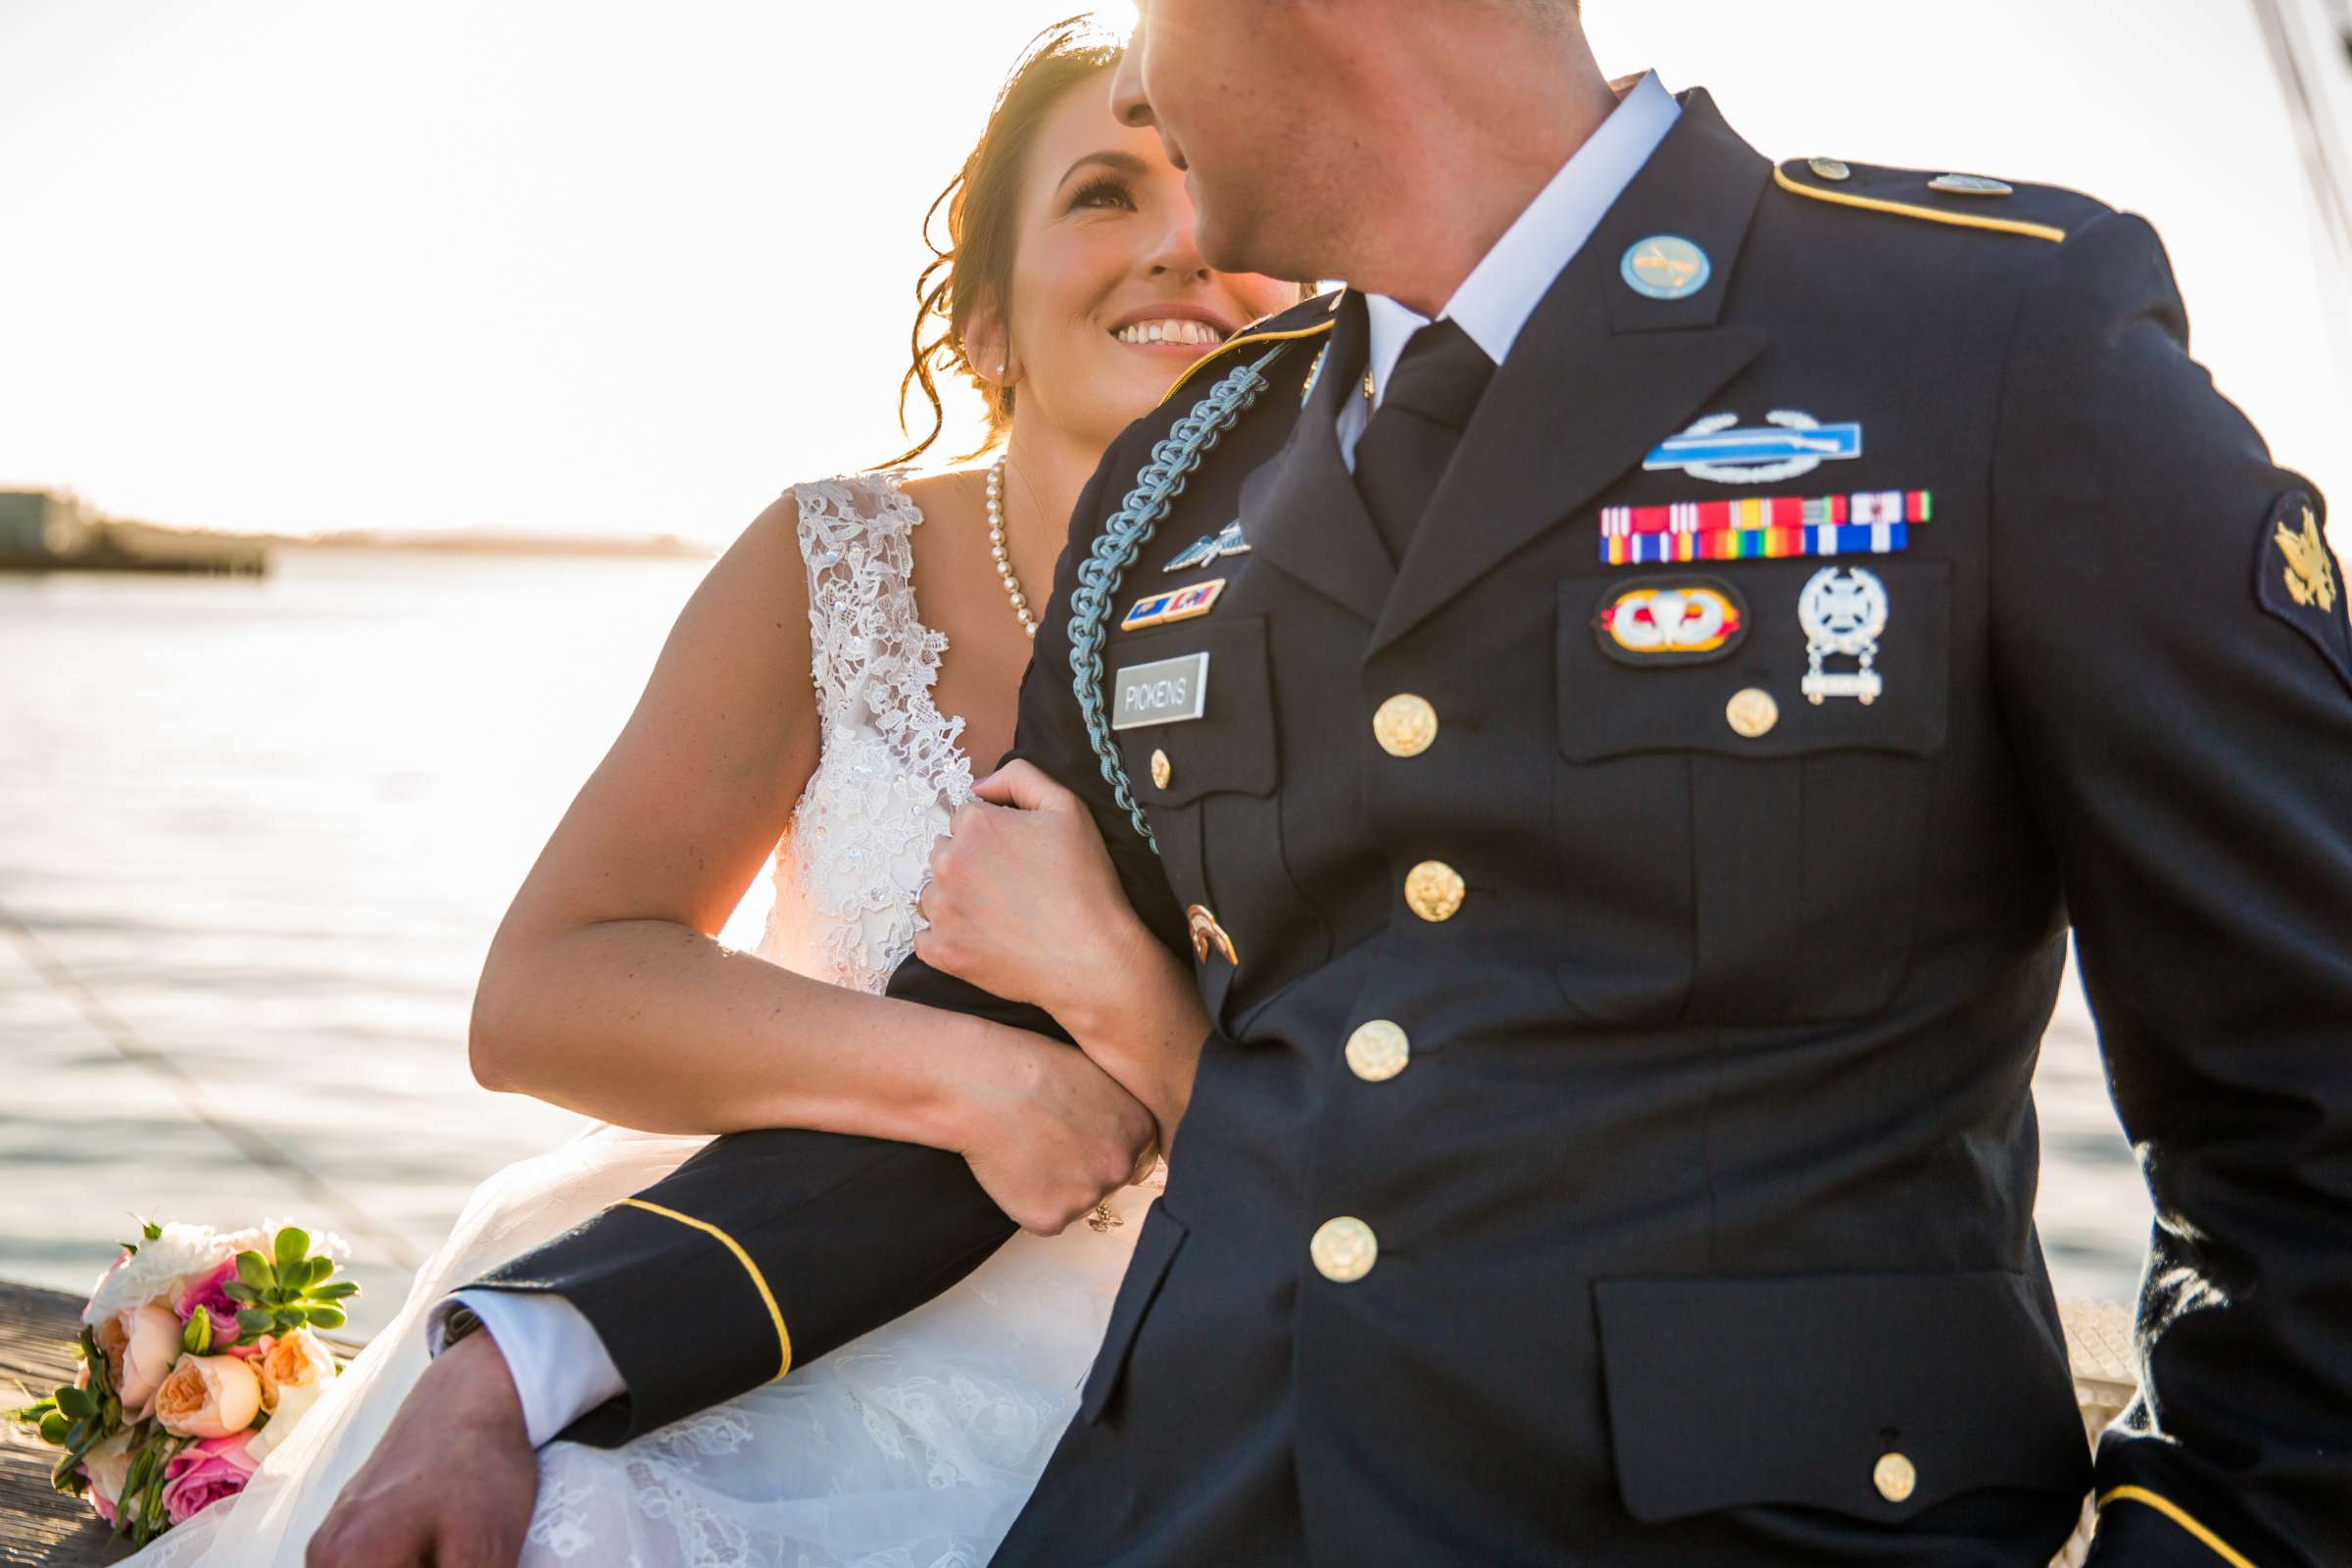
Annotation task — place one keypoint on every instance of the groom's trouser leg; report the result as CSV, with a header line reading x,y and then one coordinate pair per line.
x,y
763,1251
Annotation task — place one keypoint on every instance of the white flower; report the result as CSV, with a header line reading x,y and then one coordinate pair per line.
x,y
159,1272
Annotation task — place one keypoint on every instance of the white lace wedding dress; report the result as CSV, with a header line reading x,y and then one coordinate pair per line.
x,y
911,1447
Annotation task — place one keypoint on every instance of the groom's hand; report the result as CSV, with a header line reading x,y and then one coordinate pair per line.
x,y
452,1482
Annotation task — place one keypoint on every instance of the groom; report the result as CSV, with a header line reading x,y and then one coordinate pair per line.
x,y
1626,793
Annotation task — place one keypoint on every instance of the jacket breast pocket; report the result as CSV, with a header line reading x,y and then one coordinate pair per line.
x,y
1206,776
1760,808
1154,1250
1875,1395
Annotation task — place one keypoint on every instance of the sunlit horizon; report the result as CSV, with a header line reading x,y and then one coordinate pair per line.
x,y
567,268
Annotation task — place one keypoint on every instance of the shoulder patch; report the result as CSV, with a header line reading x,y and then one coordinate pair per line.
x,y
1958,201
2296,578
1307,318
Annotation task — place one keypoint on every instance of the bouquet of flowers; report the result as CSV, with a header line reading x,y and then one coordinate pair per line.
x,y
197,1358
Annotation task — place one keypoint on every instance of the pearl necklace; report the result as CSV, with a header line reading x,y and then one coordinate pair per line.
x,y
1002,554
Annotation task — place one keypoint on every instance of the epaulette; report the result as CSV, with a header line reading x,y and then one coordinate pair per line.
x,y
1306,319
1960,201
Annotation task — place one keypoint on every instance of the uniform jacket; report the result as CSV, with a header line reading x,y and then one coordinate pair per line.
x,y
1683,1178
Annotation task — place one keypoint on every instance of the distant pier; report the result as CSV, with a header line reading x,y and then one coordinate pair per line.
x,y
43,530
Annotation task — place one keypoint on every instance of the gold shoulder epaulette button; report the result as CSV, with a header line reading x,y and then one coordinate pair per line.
x,y
1841,184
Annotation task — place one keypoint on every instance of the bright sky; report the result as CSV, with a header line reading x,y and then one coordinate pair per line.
x,y
589,266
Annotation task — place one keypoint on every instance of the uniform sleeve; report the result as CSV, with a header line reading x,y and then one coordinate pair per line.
x,y
770,1248
2176,670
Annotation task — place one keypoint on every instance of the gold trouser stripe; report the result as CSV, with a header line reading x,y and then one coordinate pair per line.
x,y
1243,341
2179,1516
767,1296
1933,215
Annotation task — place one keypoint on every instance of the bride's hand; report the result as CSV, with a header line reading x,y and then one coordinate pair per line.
x,y
1052,1135
1023,901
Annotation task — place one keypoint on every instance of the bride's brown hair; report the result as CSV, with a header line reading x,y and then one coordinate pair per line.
x,y
973,270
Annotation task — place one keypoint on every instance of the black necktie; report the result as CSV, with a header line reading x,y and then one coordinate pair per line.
x,y
1410,438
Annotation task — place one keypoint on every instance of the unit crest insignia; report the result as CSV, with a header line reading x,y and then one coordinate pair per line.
x,y
1208,934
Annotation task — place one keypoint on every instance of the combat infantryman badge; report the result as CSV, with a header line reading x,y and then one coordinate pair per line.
x,y
1789,446
1844,614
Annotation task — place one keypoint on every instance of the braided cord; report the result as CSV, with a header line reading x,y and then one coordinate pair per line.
x,y
1172,462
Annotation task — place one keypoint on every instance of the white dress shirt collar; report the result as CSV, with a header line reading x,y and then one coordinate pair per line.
x,y
1504,288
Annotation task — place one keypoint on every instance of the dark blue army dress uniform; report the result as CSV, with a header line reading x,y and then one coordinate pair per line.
x,y
1630,920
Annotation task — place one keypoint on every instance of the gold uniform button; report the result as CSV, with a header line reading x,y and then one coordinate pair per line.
x,y
1831,169
1162,769
1405,725
1896,1477
1752,713
1378,1051
1344,1250
1433,890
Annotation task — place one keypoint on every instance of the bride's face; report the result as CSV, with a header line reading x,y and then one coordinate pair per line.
x,y
1110,298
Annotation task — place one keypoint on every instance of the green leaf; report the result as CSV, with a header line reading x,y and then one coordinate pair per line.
x,y
293,1246
336,1290
111,1416
150,1229
324,1317
77,1402
289,1318
255,1270
239,1291
197,1338
320,1267
256,1320
53,1426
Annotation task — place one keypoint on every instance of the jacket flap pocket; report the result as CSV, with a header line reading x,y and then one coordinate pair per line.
x,y
1154,1250
1209,682
1737,631
1876,1396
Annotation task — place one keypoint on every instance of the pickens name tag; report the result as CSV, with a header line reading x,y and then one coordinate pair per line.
x,y
1168,691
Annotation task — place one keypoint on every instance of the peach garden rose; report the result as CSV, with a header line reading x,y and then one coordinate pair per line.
x,y
208,1396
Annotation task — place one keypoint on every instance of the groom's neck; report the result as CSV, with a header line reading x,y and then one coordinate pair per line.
x,y
1473,123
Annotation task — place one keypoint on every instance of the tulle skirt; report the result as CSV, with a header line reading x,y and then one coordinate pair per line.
x,y
911,1447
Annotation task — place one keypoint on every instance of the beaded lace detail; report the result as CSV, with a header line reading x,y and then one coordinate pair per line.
x,y
850,869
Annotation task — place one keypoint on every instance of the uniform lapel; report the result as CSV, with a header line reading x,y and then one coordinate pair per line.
x,y
1301,511
1599,377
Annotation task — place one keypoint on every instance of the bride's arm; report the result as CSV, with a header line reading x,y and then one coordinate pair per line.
x,y
605,989
1024,903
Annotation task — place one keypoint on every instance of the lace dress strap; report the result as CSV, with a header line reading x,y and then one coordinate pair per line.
x,y
872,660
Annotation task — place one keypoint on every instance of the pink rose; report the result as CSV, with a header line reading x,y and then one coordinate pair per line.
x,y
210,1293
141,1343
207,1397
216,1468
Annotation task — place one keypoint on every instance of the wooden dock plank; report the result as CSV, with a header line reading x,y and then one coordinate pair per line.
x,y
38,1524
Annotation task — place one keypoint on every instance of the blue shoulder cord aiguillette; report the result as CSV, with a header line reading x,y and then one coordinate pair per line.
x,y
1123,538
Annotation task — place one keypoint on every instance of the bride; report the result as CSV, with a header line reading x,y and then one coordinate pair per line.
x,y
829,685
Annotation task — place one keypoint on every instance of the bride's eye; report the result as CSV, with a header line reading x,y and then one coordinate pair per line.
x,y
1104,193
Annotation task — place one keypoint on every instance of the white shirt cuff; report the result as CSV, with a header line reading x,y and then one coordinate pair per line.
x,y
560,1367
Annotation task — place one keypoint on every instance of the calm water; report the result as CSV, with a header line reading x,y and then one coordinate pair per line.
x,y
254,839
